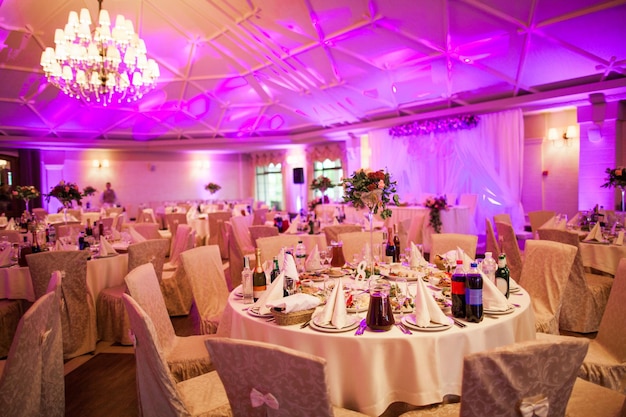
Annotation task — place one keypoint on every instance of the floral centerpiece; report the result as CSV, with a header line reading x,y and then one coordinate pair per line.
x,y
65,192
371,189
26,192
316,202
89,191
212,187
322,183
616,178
436,204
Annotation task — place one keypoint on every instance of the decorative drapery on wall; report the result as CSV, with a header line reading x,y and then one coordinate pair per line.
x,y
319,153
485,160
268,157
439,125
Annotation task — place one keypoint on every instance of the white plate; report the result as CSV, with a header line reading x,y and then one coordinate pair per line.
x,y
105,256
499,313
394,277
514,289
238,291
353,324
254,312
409,321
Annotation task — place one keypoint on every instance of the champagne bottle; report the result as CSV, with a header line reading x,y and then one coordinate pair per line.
x,y
259,283
473,294
503,275
390,250
458,290
396,244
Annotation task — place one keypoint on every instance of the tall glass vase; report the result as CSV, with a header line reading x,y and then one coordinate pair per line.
x,y
370,259
27,203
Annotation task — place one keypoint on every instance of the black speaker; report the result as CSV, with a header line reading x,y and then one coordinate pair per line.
x,y
298,175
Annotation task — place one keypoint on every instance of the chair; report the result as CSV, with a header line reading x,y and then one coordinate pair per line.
x,y
203,268
13,236
416,229
186,356
213,228
444,242
222,238
261,231
271,246
248,369
525,375
180,242
113,324
239,244
78,318
259,216
110,211
159,393
40,214
404,227
538,218
174,219
31,380
589,399
175,286
119,221
586,294
544,275
75,213
605,364
354,243
509,245
69,229
491,242
11,311
147,230
332,232
145,215
506,218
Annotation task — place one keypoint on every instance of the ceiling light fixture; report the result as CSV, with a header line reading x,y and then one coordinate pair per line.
x,y
111,64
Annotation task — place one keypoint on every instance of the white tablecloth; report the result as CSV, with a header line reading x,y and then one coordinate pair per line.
x,y
601,257
369,372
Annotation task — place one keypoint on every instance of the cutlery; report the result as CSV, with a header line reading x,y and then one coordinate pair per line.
x,y
403,328
458,323
270,319
305,324
517,305
361,328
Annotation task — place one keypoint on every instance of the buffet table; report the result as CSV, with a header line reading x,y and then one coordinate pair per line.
x,y
367,373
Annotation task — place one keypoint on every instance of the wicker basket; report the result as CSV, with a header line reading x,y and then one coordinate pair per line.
x,y
286,319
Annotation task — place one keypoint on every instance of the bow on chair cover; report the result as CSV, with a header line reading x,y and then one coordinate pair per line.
x,y
536,406
257,399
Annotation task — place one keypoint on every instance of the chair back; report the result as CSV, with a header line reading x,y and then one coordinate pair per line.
x,y
40,214
502,217
262,231
444,242
538,218
257,365
69,229
332,232
241,233
416,229
260,216
214,229
110,211
235,254
107,224
404,227
527,375
354,243
544,275
13,236
510,247
203,267
180,242
271,246
174,219
612,330
32,383
469,200
151,251
147,230
145,215
119,221
143,286
491,242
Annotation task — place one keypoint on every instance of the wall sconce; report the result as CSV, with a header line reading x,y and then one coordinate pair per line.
x,y
569,133
100,164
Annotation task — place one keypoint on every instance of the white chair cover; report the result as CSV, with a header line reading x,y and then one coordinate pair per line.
x,y
332,232
491,242
444,242
355,242
510,247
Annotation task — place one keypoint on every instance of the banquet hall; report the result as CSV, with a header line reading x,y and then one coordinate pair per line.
x,y
505,110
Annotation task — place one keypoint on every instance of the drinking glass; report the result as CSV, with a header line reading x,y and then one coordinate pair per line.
x,y
323,258
329,258
401,294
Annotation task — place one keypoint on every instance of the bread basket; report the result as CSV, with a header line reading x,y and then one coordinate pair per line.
x,y
295,317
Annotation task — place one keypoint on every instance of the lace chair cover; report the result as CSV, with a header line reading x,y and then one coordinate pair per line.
x,y
213,228
236,251
403,232
110,211
502,217
271,246
508,240
180,242
174,284
444,242
261,231
590,399
186,356
605,363
11,311
78,317
241,232
174,219
113,324
40,214
146,215
354,243
332,232
538,218
544,275
147,230
491,242
295,380
203,267
586,294
32,382
71,229
259,217
416,229
223,236
13,236
119,221
159,393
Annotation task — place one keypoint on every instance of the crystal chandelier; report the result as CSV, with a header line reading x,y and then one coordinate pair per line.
x,y
110,65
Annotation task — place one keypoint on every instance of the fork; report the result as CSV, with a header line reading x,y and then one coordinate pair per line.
x,y
403,328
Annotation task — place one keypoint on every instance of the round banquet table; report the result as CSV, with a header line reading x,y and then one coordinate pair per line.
x,y
367,373
602,257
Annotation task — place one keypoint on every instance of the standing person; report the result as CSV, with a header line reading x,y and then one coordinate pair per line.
x,y
108,196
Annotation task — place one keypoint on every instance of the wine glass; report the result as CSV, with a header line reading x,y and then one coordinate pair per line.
x,y
401,293
329,258
323,258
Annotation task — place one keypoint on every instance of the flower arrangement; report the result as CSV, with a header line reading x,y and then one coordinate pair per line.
x,y
26,192
436,204
65,192
425,127
212,187
322,183
615,178
89,190
371,189
316,202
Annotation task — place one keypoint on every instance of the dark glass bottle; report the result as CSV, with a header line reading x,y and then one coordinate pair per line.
x,y
390,250
35,248
25,249
259,283
458,290
275,270
88,229
396,244
503,275
473,295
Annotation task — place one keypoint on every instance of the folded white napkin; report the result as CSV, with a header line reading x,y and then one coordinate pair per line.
x,y
453,255
290,267
11,224
105,247
135,236
335,221
293,226
335,311
426,308
63,246
416,257
595,234
313,261
574,220
493,299
116,234
619,240
4,220
5,257
296,302
272,293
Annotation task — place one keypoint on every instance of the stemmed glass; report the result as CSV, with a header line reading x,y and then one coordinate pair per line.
x,y
401,294
328,256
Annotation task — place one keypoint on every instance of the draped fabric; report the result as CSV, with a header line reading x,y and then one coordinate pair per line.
x,y
486,160
331,151
268,157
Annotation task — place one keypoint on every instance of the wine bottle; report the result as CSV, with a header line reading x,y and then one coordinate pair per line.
x,y
396,244
458,290
276,270
259,283
473,294
390,250
503,275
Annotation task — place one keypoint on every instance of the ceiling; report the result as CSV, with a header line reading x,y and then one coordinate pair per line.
x,y
245,73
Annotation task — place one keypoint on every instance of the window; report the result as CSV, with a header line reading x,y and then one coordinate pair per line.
x,y
269,185
333,171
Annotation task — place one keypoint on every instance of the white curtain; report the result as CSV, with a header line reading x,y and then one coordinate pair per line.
x,y
486,160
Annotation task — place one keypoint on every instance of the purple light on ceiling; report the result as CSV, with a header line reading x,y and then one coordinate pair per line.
x,y
231,84
199,106
373,93
276,122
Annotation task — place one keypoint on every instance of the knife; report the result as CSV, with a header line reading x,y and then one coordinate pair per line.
x,y
403,328
361,328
